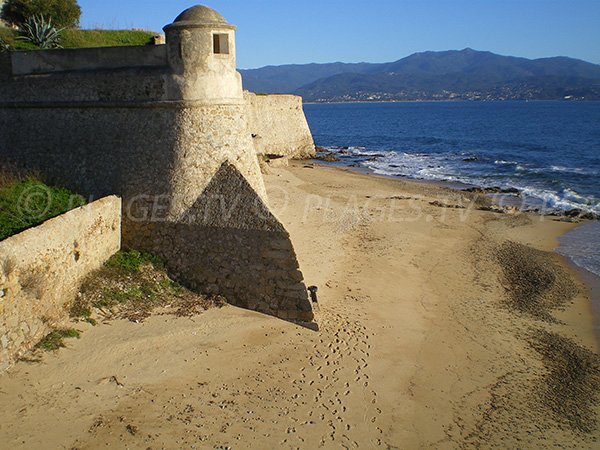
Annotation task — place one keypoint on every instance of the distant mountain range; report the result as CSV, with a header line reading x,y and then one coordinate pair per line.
x,y
451,75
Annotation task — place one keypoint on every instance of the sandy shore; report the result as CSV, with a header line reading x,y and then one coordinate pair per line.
x,y
441,327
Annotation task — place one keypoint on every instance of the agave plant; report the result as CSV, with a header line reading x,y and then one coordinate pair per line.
x,y
40,32
4,47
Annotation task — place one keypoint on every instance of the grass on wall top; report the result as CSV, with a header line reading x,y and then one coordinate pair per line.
x,y
75,38
26,202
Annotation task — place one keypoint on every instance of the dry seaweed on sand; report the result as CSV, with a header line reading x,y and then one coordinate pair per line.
x,y
191,305
571,384
534,282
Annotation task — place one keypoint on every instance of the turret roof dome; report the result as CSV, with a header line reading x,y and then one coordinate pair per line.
x,y
199,15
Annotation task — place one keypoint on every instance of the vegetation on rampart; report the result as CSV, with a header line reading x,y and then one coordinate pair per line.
x,y
133,285
76,38
59,17
40,32
25,201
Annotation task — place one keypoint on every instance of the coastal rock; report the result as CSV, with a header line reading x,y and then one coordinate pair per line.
x,y
326,156
492,190
445,205
492,208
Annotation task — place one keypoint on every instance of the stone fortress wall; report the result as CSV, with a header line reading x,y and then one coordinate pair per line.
x,y
166,128
41,269
278,125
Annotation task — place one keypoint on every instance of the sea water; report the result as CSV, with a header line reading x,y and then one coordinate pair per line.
x,y
547,150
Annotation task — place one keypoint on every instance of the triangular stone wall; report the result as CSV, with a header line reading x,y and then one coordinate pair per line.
x,y
229,243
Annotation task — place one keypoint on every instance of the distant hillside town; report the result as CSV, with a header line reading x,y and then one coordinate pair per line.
x,y
451,75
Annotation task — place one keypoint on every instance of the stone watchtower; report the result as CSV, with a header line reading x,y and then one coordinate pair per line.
x,y
221,237
201,56
201,49
166,128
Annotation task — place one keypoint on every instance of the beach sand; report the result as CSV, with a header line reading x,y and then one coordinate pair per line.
x,y
439,328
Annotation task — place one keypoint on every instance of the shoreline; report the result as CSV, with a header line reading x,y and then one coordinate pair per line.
x,y
422,342
589,279
448,101
510,199
539,233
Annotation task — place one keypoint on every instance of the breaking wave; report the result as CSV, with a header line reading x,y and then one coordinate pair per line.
x,y
538,185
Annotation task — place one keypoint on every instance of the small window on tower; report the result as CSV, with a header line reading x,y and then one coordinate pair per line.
x,y
221,44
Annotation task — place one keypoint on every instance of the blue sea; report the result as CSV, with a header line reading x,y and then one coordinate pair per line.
x,y
547,150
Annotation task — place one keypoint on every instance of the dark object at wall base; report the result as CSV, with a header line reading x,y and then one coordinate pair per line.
x,y
313,293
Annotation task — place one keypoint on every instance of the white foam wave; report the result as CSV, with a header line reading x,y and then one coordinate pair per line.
x,y
413,165
566,201
522,167
571,194
451,168
576,170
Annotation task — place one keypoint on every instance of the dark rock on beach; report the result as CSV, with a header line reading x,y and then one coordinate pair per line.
x,y
575,214
445,205
327,157
493,190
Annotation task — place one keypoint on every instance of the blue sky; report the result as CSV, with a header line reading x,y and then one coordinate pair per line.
x,y
301,31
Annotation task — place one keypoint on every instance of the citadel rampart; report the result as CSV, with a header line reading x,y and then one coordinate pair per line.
x,y
41,269
166,128
278,125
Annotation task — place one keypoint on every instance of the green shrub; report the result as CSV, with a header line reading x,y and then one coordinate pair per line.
x,y
55,339
131,285
63,13
130,261
4,46
29,202
118,296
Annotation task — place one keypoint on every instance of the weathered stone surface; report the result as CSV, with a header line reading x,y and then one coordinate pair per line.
x,y
61,60
238,256
44,273
278,126
167,129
